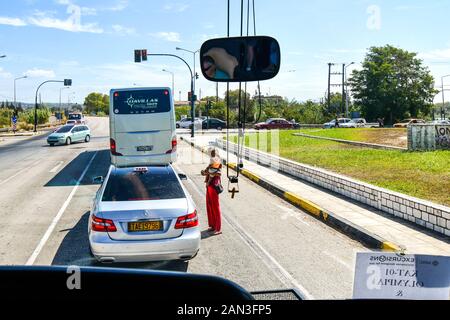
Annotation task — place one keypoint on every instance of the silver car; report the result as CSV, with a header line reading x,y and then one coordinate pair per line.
x,y
69,133
143,214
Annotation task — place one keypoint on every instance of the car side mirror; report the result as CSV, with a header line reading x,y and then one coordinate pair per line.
x,y
240,59
98,180
182,176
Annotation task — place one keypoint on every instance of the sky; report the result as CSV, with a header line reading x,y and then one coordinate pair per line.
x,y
92,42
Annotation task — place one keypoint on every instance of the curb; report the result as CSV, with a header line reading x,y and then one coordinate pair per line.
x,y
360,234
354,143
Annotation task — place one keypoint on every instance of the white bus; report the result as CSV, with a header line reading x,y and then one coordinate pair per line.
x,y
142,127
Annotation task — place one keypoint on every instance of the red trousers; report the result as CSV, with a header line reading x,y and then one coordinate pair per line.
x,y
213,208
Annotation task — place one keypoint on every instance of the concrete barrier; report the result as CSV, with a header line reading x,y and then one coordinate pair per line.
x,y
428,137
421,212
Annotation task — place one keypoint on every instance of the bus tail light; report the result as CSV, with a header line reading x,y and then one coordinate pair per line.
x,y
112,144
174,146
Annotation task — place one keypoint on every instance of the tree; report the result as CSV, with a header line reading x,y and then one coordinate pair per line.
x,y
393,84
97,102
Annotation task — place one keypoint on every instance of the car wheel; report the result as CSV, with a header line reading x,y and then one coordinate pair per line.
x,y
219,128
177,126
68,141
87,138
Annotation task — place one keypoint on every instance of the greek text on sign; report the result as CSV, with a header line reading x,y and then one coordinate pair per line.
x,y
393,276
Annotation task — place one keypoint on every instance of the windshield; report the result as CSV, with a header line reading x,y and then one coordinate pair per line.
x,y
74,116
64,129
272,159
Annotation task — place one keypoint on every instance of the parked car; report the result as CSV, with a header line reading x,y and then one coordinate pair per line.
x,y
359,123
274,123
143,214
332,123
406,122
68,134
186,123
440,122
78,117
213,123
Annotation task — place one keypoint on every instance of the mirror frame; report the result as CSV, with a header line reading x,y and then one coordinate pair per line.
x,y
206,44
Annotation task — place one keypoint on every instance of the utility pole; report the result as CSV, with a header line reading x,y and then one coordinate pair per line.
x,y
329,86
217,92
343,91
346,89
443,97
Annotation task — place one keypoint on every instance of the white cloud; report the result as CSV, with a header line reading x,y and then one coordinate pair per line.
x,y
16,22
5,74
66,25
118,6
438,54
121,30
177,7
40,73
168,36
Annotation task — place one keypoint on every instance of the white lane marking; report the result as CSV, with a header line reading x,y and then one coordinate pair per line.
x,y
58,216
345,264
19,172
57,166
282,274
288,212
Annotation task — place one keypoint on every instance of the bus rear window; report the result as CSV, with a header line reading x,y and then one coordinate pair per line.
x,y
141,101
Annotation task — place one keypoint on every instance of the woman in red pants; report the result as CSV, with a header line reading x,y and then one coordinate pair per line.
x,y
213,182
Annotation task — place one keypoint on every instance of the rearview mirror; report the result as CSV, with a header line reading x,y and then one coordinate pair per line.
x,y
182,176
97,180
240,59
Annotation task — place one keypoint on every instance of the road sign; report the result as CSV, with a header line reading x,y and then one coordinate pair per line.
x,y
14,119
380,275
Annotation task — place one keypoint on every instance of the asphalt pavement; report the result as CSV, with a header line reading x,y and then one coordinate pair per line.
x,y
46,194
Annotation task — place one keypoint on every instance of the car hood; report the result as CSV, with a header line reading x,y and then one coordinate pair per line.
x,y
59,135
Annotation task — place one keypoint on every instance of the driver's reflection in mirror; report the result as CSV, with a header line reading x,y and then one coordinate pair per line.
x,y
219,64
242,60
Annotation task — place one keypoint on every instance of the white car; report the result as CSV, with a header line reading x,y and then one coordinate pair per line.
x,y
354,123
187,122
143,214
332,123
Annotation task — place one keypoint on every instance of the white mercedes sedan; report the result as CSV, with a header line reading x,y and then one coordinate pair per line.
x,y
143,214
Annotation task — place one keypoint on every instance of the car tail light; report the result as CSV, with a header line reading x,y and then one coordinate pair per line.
x,y
187,221
174,146
113,147
102,225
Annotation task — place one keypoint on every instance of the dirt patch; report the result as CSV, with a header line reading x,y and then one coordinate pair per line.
x,y
390,137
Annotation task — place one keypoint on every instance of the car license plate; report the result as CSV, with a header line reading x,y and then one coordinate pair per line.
x,y
145,226
144,148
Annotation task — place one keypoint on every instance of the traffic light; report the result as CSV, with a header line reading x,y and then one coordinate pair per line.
x,y
144,54
189,96
137,55
67,82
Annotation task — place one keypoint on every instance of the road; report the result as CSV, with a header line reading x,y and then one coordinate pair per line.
x,y
46,194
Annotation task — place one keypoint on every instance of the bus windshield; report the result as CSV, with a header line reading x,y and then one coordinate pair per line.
x,y
141,101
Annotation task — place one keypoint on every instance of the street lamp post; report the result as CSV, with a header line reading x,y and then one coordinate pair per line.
x,y
173,90
24,77
60,105
346,88
443,97
194,75
67,82
192,81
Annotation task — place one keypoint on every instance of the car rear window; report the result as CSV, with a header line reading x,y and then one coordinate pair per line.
x,y
141,101
159,183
